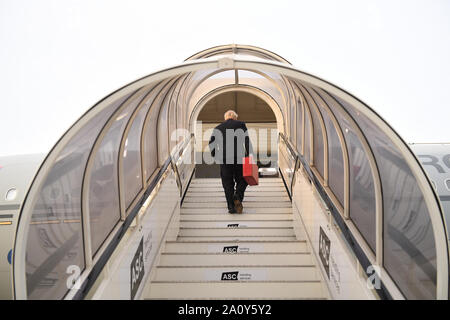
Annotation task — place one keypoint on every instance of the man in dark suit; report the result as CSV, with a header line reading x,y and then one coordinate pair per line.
x,y
229,144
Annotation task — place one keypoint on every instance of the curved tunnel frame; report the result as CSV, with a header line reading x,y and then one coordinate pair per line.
x,y
232,63
239,88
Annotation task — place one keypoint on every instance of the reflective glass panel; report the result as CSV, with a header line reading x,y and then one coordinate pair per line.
x,y
132,153
318,146
362,189
409,244
55,238
336,176
104,205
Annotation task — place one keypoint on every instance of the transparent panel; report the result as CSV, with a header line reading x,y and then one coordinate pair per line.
x,y
253,53
307,140
55,238
292,119
336,176
192,84
181,116
104,205
217,80
132,154
362,190
299,123
409,244
241,53
176,126
281,82
227,76
318,146
163,128
150,144
259,81
172,134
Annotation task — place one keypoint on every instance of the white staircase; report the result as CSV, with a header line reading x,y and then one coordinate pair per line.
x,y
253,255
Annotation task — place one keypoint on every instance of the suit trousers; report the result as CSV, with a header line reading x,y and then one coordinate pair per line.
x,y
232,182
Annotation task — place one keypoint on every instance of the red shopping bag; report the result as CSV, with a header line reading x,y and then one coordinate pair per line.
x,y
250,171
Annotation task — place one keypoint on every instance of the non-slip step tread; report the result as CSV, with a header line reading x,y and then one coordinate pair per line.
x,y
236,290
240,281
249,241
237,217
229,228
259,194
207,219
236,224
224,259
235,254
218,232
210,205
234,238
206,189
246,211
261,181
210,199
219,184
215,180
231,247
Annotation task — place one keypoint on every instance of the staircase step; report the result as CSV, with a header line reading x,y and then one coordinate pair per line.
x,y
237,217
237,238
220,232
217,188
236,290
219,184
239,247
218,179
248,199
235,223
207,205
195,274
264,182
239,259
247,210
259,194
253,255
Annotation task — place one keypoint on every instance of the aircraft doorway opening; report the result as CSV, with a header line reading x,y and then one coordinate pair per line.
x,y
261,123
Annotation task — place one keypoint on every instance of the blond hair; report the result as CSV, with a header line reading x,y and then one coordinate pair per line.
x,y
230,114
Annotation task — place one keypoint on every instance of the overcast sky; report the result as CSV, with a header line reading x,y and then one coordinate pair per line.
x,y
58,58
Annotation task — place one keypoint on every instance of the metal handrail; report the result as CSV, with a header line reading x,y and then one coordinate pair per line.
x,y
179,152
294,154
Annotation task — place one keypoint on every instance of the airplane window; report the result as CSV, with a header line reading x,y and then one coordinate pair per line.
x,y
11,194
447,184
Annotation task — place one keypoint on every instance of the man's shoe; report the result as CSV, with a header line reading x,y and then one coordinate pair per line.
x,y
238,205
232,210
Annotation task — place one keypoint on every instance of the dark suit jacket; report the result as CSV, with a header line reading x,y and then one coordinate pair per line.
x,y
230,142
